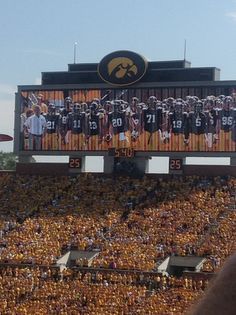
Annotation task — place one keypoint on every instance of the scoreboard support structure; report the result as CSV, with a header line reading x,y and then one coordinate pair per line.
x,y
108,164
112,164
26,159
233,161
76,165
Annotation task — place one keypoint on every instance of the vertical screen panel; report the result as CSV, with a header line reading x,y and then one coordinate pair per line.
x,y
145,94
179,94
198,92
165,93
191,91
171,92
158,94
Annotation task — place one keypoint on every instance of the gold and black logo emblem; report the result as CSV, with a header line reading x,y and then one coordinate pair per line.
x,y
122,68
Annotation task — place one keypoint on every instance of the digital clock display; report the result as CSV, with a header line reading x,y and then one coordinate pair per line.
x,y
122,152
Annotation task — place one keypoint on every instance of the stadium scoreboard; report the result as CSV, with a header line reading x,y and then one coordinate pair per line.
x,y
127,107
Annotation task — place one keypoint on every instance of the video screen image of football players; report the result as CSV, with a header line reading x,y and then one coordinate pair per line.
x,y
107,136
35,128
93,127
25,133
177,127
169,103
233,95
50,140
190,102
26,112
77,127
212,122
233,133
197,128
133,104
41,102
152,122
118,123
164,131
135,122
84,108
38,100
64,127
226,125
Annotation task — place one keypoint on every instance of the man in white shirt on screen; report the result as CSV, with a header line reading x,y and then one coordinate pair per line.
x,y
36,127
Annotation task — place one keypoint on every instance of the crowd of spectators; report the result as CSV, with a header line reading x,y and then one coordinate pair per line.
x,y
40,291
133,223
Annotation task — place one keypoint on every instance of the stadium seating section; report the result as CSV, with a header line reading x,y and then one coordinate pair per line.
x,y
134,224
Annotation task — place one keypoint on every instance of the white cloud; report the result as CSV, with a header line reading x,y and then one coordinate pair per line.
x,y
232,15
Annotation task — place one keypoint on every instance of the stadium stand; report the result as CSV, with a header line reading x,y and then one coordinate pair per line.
x,y
133,227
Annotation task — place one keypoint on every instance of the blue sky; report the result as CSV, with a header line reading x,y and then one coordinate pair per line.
x,y
39,36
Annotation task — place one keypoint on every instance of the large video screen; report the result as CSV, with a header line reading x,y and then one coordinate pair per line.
x,y
140,119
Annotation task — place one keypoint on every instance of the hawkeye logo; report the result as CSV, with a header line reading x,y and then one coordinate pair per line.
x,y
122,68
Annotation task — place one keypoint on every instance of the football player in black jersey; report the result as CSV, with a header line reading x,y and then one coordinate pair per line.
x,y
152,123
135,122
107,143
118,125
64,127
94,126
198,127
212,122
233,133
50,141
191,102
227,118
167,106
76,123
164,131
177,126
